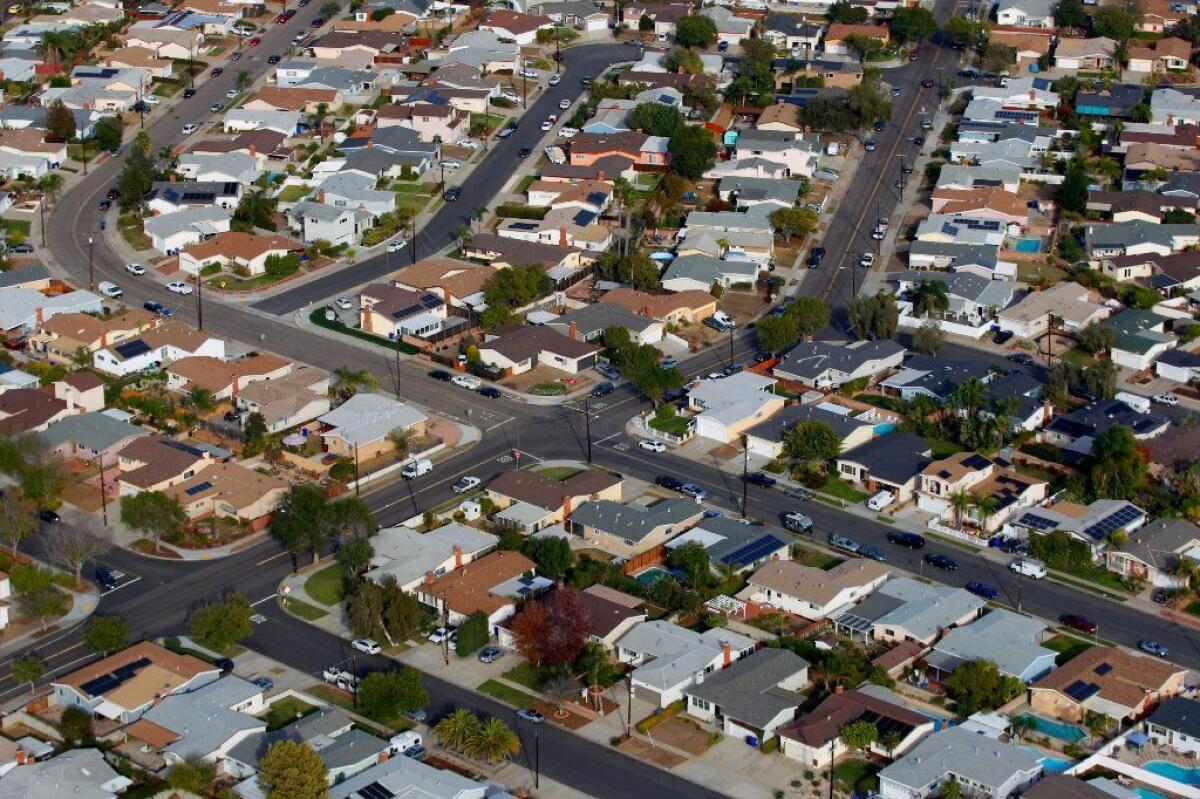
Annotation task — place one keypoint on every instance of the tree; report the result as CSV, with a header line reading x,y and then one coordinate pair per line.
x,y
75,724
106,634
859,735
1114,22
646,23
17,521
657,119
794,221
51,185
812,441
696,30
41,478
330,9
220,625
347,382
929,296
255,430
558,690
43,604
693,151
1072,193
72,545
355,556
692,560
1096,338
873,317
386,694
777,333
1118,464
473,634
912,24
863,46
551,632
978,685
998,57
494,742
292,770
551,554
60,121
195,776
135,180
514,288
155,514
966,33
28,669
297,512
110,131
810,313
1100,379
256,210
1070,14
685,59
960,501
929,338
457,730
846,13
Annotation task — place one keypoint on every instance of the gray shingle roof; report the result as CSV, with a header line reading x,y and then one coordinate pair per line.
x,y
632,522
748,690
775,428
1178,714
95,431
591,320
962,753
807,361
896,457
203,717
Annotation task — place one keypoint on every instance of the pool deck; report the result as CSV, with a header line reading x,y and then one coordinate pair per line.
x,y
1139,756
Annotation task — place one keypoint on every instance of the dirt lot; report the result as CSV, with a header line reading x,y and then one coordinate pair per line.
x,y
682,734
742,306
659,757
546,374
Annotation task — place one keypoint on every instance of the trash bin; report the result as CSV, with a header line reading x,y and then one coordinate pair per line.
x,y
752,741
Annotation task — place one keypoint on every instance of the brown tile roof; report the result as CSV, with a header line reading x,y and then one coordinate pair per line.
x,y
660,12
246,246
1126,682
821,724
87,328
166,672
1181,136
630,141
1150,154
176,334
26,408
469,588
838,32
516,23
1148,202
236,485
380,40
137,57
545,492
603,615
589,191
157,736
391,301
162,458
515,252
658,306
1173,46
525,342
606,168
787,113
82,381
1021,42
260,141
815,585
215,375
613,595
29,140
993,197
460,278
293,99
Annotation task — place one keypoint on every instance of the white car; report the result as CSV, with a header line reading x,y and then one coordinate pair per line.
x,y
440,634
368,645
231,93
1166,399
868,259
564,104
190,128
396,246
652,446
547,125
511,96
467,381
531,74
135,269
344,303
451,163
568,133
179,287
555,80
465,484
470,144
151,100
332,674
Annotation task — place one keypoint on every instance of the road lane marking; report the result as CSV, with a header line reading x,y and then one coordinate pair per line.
x,y
276,556
264,599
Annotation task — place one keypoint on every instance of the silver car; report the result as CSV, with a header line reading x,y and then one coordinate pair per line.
x,y
844,543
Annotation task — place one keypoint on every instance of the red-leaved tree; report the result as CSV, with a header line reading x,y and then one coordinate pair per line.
x,y
551,632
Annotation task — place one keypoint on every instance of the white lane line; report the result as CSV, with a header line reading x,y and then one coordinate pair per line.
x,y
273,557
606,438
264,599
499,424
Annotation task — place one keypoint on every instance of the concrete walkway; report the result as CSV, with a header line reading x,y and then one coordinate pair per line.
x,y
83,603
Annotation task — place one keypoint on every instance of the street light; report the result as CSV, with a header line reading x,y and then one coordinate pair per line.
x,y
91,265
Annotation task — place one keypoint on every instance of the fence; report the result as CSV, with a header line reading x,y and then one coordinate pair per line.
x,y
955,533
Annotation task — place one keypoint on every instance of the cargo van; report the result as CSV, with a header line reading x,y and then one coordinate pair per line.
x,y
109,289
404,741
881,500
420,466
1138,403
1028,567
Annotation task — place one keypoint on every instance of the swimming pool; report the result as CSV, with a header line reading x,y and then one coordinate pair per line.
x,y
1028,244
654,575
1057,729
1165,768
883,428
1146,793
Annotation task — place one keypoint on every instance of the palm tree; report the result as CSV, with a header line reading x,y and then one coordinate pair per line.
x,y
463,233
243,79
930,295
960,501
51,185
968,395
477,216
494,742
347,382
319,119
1020,725
1186,569
890,740
623,191
457,730
986,508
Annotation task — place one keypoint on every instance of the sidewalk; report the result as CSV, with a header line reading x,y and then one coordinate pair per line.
x,y
82,605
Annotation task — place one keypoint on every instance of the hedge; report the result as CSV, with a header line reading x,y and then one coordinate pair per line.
x,y
650,722
522,212
317,317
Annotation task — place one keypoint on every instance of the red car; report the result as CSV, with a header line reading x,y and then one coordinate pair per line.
x,y
1077,622
255,42
927,83
280,19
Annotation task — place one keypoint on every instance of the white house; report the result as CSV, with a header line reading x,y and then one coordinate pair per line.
x,y
810,592
668,659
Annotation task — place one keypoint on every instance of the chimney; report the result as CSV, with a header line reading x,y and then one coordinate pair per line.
x,y
646,311
370,143
429,578
171,178
1047,411
253,149
21,757
838,689
572,331
321,197
727,654
38,317
383,756
562,237
458,556
567,506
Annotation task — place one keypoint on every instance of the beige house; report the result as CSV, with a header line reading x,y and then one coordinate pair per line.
x,y
810,592
684,307
231,491
360,427
283,98
156,463
1111,681
60,337
443,123
630,530
1074,307
976,478
533,501
243,253
285,402
223,379
140,58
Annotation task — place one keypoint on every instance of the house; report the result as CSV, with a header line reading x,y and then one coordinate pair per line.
x,y
1138,237
243,253
1138,338
23,310
578,14
226,705
736,546
1075,431
1107,680
669,659
170,233
491,585
1176,723
699,271
1153,552
239,120
124,685
433,123
155,463
1030,47
501,252
809,592
973,301
1092,524
588,148
797,156
686,307
935,378
59,337
521,28
522,349
386,310
84,773
30,410
353,188
410,777
767,438
533,501
1167,54
629,530
410,557
168,197
239,168
837,33
893,462
791,32
1010,640
814,738
1074,307
763,195
344,748
91,436
664,16
589,323
731,28
359,428
285,402
608,620
905,609
1098,53
752,698
831,364
166,42
1179,365
316,221
995,493
991,769
727,408
1172,106
230,491
1025,13
483,50
306,100
1159,16
155,348
459,283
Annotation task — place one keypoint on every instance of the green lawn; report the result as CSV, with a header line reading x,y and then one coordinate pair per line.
x,y
403,187
333,696
836,486
1078,356
523,186
526,674
807,556
857,775
304,610
162,89
317,317
233,283
942,448
326,586
506,693
1032,272
285,711
673,425
559,473
1067,647
16,226
293,194
491,120
411,203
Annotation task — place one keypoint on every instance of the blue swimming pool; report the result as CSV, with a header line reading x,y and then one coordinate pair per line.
x,y
1146,793
1070,733
1051,765
884,428
1028,244
654,575
1165,768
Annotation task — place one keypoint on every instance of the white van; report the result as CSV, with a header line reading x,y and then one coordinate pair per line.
x,y
404,741
1028,567
1137,402
723,319
109,289
417,468
881,500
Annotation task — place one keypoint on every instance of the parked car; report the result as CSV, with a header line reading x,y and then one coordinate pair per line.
x,y
907,540
189,93
881,500
1022,358
844,543
1166,399
608,370
668,482
451,163
796,492
216,72
417,468
1079,622
179,287
255,42
105,578
564,104
491,392
927,83
1002,336
797,522
760,479
224,664
873,552
465,484
156,308
215,108
694,491
530,715
524,152
982,590
135,269
190,128
555,80
603,389
867,259
870,145
1028,567
109,289
332,674
397,245
452,194
440,374
652,446
265,683
440,635
367,645
1160,596
467,381
345,303
275,59
941,561
49,516
1153,648
490,654
417,715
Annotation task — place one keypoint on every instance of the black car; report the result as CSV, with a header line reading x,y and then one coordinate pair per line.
x,y
187,93
907,540
153,307
524,152
105,579
982,590
762,357
113,194
880,125
440,374
874,553
1161,596
760,479
733,369
818,252
603,389
224,664
274,59
452,194
491,392
1002,336
316,23
585,82
918,140
941,561
1023,358
49,516
669,482
870,145
105,205
21,249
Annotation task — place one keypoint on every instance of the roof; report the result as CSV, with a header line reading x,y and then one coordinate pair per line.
x,y
823,723
34,273
515,22
23,409
632,522
1094,521
1178,714
398,304
706,270
1113,674
527,341
808,360
162,458
329,731
243,246
605,615
216,375
1005,638
965,285
591,320
1068,300
1078,48
1060,786
896,457
407,555
1159,543
818,586
458,278
546,492
938,376
781,113
676,654
281,398
838,32
203,718
777,427
732,543
229,483
516,252
613,595
1096,417
658,306
596,143
469,589
923,610
95,431
79,773
366,418
136,675
412,779
748,691
965,754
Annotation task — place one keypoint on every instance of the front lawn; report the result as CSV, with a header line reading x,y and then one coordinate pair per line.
x,y
506,693
807,556
526,674
1067,647
673,425
326,585
291,194
856,775
336,696
880,401
940,448
225,282
285,711
304,610
559,473
837,487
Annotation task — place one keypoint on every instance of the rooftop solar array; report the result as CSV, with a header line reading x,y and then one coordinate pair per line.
x,y
1125,515
115,678
375,791
1039,523
754,551
1081,691
196,489
131,349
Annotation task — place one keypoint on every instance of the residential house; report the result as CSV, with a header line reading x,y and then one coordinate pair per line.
x,y
682,308
792,33
1098,53
1179,365
155,463
731,28
973,301
92,436
1138,204
726,408
84,773
759,195
519,350
1025,13
731,544
226,705
1093,523
797,156
767,438
1138,338
837,33
24,310
410,777
1030,47
344,748
589,323
698,271
459,283
1164,55
60,337
1173,106
239,120
988,769
1176,724
629,530
815,737
166,42
533,501
410,557
1107,680
993,493
992,204
1138,238
521,28
30,410
831,364
242,169
230,491
559,261
304,100
491,585
588,148
433,123
242,253
893,462
669,659
393,312
1160,16
168,197
1008,639
1076,430
316,221
1074,307
578,14
483,50
156,347
906,609
664,16
608,620
1153,552
754,697
935,378
359,428
285,402
172,232
809,592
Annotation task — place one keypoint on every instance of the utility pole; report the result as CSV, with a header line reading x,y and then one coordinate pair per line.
x,y
629,707
731,346
524,82
745,474
357,492
199,300
91,265
587,421
103,493
537,758
42,217
354,678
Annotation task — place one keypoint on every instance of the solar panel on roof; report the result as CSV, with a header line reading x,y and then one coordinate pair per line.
x,y
1103,668
196,489
131,349
753,551
1116,520
1081,691
977,461
375,791
1037,522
